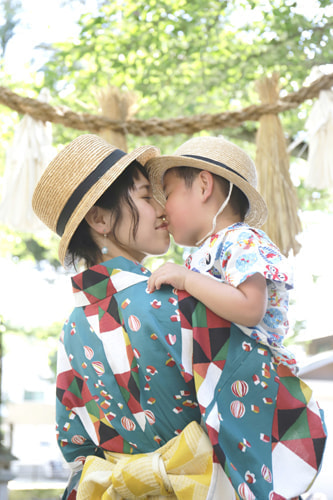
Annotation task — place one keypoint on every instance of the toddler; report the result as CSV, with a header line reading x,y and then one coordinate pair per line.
x,y
211,203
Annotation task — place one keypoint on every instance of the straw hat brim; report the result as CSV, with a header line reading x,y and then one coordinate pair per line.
x,y
141,154
257,213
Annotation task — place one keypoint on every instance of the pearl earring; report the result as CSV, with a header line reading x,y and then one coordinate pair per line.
x,y
104,249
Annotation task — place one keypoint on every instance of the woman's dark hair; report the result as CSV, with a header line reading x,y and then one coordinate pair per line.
x,y
238,201
82,246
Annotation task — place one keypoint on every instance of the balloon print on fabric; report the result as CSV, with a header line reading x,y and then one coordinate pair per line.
x,y
150,416
88,352
128,424
266,473
98,367
245,493
77,439
134,323
237,409
240,388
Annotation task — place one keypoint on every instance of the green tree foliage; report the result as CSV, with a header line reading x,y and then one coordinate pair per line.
x,y
183,57
9,10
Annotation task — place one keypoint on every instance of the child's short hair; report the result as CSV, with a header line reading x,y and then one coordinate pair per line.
x,y
238,201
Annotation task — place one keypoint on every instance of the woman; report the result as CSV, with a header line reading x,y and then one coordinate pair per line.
x,y
137,372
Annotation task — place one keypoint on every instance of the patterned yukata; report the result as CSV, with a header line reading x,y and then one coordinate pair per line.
x,y
238,252
134,369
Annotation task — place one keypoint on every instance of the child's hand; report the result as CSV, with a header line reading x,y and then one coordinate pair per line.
x,y
168,274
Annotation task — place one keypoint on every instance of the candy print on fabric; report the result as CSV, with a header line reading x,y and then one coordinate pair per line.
x,y
156,304
171,339
250,478
170,361
202,383
125,303
249,427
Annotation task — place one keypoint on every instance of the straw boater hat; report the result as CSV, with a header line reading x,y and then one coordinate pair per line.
x,y
220,157
76,178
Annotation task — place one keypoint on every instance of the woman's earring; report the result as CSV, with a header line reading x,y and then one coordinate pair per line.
x,y
104,249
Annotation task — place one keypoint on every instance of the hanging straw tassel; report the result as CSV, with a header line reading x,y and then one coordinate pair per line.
x,y
119,106
275,185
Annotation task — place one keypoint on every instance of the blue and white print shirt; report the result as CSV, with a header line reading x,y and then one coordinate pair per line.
x,y
238,252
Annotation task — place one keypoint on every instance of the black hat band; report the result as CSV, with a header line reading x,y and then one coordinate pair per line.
x,y
84,187
209,160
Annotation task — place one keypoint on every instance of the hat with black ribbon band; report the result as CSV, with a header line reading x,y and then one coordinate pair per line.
x,y
84,187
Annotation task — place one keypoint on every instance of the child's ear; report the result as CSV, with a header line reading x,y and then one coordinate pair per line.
x,y
98,219
206,180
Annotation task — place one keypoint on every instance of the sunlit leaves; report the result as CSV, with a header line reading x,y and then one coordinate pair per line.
x,y
184,57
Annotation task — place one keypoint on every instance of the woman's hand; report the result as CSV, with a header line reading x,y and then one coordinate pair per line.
x,y
168,274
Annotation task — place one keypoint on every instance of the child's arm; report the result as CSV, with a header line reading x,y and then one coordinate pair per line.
x,y
245,304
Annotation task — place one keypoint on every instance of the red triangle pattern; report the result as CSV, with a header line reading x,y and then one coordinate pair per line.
x,y
201,335
107,323
304,449
285,401
317,430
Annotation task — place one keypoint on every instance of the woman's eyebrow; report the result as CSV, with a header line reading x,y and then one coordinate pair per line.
x,y
143,187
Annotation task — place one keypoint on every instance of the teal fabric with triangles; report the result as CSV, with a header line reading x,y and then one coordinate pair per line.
x,y
135,368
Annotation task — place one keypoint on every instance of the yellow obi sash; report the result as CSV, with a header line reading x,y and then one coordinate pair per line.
x,y
181,469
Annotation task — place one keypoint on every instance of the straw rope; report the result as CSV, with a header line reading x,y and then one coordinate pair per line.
x,y
154,126
119,106
275,185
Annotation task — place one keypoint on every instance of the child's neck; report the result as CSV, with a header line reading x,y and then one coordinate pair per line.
x,y
226,220
222,222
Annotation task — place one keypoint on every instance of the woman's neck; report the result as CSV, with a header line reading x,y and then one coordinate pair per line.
x,y
115,250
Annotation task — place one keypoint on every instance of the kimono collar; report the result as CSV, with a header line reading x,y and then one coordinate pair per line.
x,y
103,280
